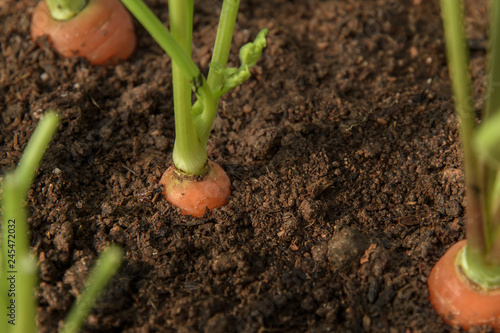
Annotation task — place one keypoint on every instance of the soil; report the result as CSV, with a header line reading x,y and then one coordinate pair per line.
x,y
342,149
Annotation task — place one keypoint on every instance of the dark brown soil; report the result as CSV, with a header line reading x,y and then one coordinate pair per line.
x,y
342,149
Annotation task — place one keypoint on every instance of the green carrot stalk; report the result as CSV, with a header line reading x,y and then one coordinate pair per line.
x,y
107,265
458,64
188,147
189,151
65,9
223,42
34,151
164,38
193,123
220,56
491,112
481,258
18,265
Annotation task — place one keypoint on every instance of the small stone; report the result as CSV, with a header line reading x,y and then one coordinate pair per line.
x,y
117,234
453,208
345,248
219,323
64,237
311,210
318,253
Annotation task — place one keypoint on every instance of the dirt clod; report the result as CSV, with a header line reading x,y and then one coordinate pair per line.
x,y
345,248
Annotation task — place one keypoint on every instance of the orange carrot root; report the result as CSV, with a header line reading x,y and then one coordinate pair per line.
x,y
193,196
459,301
102,32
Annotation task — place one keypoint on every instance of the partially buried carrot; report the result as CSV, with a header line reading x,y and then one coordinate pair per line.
x,y
102,31
193,183
464,285
457,299
194,194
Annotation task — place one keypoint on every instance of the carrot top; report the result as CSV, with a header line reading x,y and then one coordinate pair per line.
x,y
101,31
65,9
460,301
480,261
193,122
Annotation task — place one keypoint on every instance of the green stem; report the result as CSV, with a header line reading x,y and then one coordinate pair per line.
x,y
478,269
223,41
107,265
193,128
189,153
492,108
33,153
189,149
64,10
458,64
220,55
21,267
492,104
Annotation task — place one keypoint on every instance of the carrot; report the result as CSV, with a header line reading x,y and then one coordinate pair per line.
x,y
457,299
193,183
194,194
102,31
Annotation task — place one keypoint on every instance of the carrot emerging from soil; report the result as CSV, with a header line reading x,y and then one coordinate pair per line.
x,y
102,32
194,194
195,184
457,299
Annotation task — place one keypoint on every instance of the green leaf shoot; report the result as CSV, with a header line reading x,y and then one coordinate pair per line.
x,y
194,122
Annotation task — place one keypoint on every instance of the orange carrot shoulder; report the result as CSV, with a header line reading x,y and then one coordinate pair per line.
x,y
194,194
457,299
102,31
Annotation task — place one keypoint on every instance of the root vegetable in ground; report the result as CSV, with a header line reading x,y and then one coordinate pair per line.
x,y
193,122
464,284
99,30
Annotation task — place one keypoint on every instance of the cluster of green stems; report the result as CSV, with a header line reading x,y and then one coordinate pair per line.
x,y
480,259
193,122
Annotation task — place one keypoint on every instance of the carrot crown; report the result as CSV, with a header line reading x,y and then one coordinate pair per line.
x,y
63,10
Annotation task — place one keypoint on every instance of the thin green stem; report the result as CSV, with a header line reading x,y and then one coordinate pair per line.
x,y
64,10
193,130
492,109
458,64
189,149
492,104
107,265
18,265
33,153
4,284
220,55
189,153
478,269
19,269
223,41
